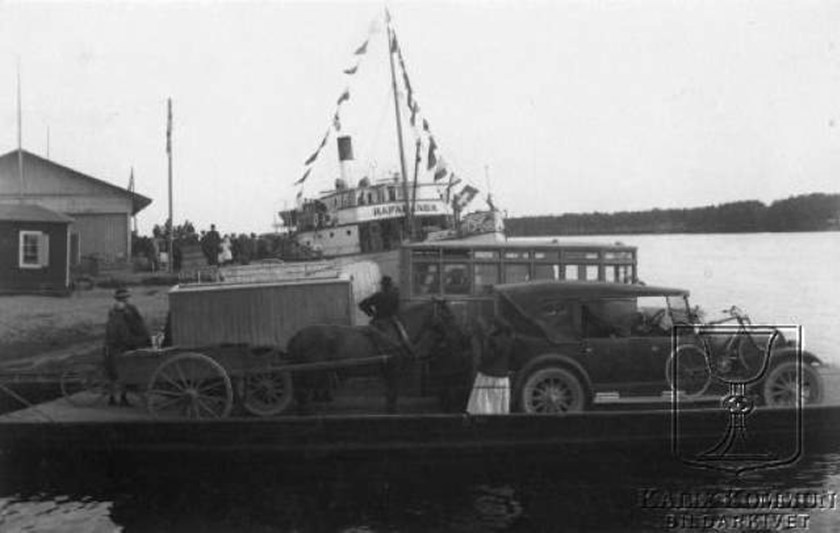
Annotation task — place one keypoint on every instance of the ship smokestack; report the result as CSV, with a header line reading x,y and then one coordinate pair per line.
x,y
345,158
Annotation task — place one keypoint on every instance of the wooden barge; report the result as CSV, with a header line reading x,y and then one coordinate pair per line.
x,y
59,426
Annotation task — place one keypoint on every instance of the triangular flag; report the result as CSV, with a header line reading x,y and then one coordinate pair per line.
x,y
336,122
351,70
362,49
344,97
431,161
312,157
303,178
441,173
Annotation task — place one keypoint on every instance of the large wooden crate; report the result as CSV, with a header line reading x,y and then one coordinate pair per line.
x,y
259,314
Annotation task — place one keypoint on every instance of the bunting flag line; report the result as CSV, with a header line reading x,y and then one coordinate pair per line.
x,y
345,96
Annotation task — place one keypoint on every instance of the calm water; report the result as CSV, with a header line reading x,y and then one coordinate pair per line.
x,y
781,278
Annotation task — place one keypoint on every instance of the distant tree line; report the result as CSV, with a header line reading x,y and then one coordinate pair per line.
x,y
811,212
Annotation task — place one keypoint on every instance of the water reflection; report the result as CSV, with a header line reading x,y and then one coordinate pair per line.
x,y
378,495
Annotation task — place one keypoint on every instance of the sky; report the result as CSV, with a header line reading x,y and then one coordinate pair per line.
x,y
566,106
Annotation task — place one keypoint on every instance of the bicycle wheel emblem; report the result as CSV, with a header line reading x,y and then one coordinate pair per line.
x,y
743,432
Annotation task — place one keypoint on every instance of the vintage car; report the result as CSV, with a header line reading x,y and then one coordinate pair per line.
x,y
574,339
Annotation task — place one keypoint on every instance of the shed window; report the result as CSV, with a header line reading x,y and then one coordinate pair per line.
x,y
33,249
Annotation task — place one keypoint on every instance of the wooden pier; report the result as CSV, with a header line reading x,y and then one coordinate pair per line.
x,y
58,425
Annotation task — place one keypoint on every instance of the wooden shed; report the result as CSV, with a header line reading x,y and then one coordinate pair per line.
x,y
34,250
101,211
259,314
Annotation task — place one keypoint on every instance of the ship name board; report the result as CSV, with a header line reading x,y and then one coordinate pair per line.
x,y
391,210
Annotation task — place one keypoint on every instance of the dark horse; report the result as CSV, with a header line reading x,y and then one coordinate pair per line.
x,y
430,330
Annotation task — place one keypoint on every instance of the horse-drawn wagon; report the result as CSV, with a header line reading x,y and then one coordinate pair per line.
x,y
232,345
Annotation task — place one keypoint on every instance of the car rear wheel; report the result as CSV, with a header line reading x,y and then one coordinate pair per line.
x,y
552,390
782,386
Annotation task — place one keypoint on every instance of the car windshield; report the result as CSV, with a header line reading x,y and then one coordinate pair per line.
x,y
680,309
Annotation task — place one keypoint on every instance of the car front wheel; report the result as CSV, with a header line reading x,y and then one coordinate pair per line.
x,y
782,386
552,390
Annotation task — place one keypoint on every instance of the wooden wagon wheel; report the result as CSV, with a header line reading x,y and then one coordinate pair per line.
x,y
267,393
190,384
85,384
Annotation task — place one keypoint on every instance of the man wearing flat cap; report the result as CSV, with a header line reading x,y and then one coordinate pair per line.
x,y
125,331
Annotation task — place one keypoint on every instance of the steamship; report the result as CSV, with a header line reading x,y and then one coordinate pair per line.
x,y
373,216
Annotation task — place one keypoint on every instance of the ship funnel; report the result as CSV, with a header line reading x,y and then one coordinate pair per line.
x,y
345,157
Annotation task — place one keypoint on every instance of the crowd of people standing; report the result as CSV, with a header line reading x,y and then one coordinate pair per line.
x,y
219,249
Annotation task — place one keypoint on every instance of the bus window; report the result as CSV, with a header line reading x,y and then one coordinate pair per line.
x,y
486,254
546,271
516,254
486,275
516,272
571,272
543,255
426,278
592,272
456,279
625,273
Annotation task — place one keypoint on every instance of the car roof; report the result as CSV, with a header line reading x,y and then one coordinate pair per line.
x,y
530,291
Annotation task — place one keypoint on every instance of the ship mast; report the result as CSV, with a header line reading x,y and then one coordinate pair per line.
x,y
409,223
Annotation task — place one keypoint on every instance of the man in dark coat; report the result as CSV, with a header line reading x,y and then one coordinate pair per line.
x,y
124,331
382,305
212,243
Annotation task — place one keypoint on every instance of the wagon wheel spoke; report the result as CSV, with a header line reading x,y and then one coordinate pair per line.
x,y
166,403
193,381
209,386
267,393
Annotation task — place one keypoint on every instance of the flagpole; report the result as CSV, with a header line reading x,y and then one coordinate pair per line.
x,y
20,135
409,222
131,188
169,158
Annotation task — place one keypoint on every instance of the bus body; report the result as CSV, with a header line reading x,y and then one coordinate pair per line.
x,y
462,271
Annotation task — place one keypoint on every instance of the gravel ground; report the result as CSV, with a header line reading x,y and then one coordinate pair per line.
x,y
34,325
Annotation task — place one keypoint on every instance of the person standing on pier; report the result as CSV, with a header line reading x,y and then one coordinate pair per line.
x,y
126,330
491,389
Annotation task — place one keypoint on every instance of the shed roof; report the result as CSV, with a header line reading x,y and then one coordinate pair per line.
x,y
138,201
31,213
